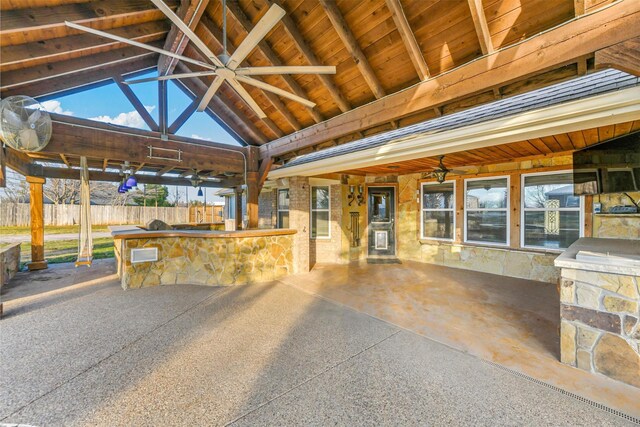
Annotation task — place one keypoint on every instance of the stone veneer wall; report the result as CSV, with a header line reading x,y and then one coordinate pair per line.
x,y
329,250
616,226
220,261
9,262
299,205
600,330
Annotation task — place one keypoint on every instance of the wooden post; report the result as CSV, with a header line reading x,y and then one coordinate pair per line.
x,y
253,193
36,204
238,201
3,169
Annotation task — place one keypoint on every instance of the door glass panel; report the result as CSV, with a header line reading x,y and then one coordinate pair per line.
x,y
380,209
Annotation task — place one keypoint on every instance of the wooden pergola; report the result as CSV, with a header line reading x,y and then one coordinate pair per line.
x,y
398,62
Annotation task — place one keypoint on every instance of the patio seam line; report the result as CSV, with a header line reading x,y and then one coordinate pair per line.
x,y
124,347
511,371
330,368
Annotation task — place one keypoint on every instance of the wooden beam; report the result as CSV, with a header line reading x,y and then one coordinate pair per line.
x,y
65,160
163,107
579,7
265,167
105,162
81,80
3,169
60,49
350,42
81,137
27,76
18,26
17,161
306,51
408,38
36,208
623,56
184,116
135,101
540,53
190,11
215,36
61,173
480,24
240,17
165,170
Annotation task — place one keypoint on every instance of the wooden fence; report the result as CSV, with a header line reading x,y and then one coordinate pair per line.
x,y
17,214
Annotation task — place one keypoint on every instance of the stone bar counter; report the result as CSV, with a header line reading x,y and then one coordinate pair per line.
x,y
202,257
600,303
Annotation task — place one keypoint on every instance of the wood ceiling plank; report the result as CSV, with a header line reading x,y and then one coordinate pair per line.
x,y
349,40
561,45
622,129
408,38
26,26
64,48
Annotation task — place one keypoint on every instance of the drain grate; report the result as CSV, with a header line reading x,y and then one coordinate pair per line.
x,y
567,393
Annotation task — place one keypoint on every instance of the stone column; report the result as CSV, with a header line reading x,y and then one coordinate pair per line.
x,y
36,206
299,206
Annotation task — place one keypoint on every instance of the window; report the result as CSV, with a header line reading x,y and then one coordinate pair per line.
x,y
551,214
438,211
231,207
487,210
283,208
320,212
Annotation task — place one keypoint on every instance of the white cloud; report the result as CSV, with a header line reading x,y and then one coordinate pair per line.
x,y
54,106
204,138
129,119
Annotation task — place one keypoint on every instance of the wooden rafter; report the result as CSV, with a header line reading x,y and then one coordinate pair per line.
x,y
350,42
480,24
105,163
561,46
184,116
238,14
165,170
135,101
310,56
65,160
190,11
623,56
579,7
59,49
408,38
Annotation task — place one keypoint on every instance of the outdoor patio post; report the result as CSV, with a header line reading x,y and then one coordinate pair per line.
x,y
36,207
238,202
253,193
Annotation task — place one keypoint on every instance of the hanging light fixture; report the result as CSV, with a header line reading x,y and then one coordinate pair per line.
x,y
132,181
121,188
200,194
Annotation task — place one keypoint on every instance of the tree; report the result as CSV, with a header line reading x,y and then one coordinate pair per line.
x,y
17,189
152,195
62,191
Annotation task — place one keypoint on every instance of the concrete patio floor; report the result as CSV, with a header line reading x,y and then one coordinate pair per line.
x,y
75,349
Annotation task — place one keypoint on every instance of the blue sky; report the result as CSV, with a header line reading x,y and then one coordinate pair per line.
x,y
108,104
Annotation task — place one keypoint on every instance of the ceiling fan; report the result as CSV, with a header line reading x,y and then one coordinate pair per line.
x,y
225,68
440,172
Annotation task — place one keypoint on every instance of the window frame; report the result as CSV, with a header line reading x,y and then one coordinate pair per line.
x,y
423,209
507,210
524,209
278,210
312,210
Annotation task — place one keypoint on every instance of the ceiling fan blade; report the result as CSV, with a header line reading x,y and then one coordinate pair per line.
x,y
304,69
283,93
209,93
247,98
170,77
266,23
160,4
138,44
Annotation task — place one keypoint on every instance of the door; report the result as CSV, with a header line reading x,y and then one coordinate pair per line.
x,y
382,213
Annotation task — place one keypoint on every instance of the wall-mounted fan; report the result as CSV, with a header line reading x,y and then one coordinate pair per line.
x,y
24,124
440,172
225,67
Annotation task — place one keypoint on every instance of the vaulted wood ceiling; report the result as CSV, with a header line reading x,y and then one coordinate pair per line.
x,y
380,48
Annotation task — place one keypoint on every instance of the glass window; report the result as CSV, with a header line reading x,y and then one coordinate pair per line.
x,y
551,212
283,208
320,212
231,207
438,211
486,213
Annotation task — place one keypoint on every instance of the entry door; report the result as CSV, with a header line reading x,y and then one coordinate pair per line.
x,y
382,212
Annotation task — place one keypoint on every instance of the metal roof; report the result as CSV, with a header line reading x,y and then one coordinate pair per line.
x,y
582,87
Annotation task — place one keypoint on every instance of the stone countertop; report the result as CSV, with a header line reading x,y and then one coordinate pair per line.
x,y
614,246
138,233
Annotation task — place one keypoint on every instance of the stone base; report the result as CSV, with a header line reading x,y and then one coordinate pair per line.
x,y
37,265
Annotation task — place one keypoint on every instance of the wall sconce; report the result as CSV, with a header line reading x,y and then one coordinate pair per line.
x,y
352,196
